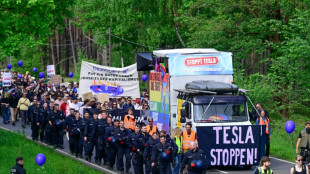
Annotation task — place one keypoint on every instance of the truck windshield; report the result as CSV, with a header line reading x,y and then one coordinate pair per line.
x,y
220,112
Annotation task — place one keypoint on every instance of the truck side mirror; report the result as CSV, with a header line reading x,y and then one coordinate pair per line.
x,y
182,119
183,113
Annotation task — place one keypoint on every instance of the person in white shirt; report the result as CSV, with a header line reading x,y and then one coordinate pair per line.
x,y
75,104
86,105
135,104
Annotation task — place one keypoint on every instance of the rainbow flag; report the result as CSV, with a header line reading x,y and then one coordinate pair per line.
x,y
7,94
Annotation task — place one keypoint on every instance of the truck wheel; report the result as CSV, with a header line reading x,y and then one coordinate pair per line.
x,y
247,167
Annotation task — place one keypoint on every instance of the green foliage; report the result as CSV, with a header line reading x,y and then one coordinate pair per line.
x,y
14,145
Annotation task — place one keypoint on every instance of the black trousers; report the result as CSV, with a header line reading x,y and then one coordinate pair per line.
x,y
267,144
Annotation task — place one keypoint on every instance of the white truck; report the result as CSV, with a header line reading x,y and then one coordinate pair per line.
x,y
199,90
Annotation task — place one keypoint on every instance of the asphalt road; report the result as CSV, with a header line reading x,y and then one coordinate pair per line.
x,y
279,166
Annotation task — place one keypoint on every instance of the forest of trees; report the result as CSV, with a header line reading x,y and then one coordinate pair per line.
x,y
268,38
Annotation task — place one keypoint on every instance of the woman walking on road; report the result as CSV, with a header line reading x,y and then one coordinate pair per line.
x,y
299,168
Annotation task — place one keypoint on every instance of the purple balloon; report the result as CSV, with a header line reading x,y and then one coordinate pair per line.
x,y
20,63
41,75
71,74
9,66
289,126
20,76
34,69
40,159
144,77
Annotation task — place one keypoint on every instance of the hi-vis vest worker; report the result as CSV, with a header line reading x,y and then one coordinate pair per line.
x,y
264,121
129,122
187,139
261,171
178,141
150,129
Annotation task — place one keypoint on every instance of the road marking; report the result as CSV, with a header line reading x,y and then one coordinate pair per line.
x,y
282,160
219,170
66,153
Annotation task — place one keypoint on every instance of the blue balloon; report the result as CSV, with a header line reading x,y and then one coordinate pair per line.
x,y
164,156
144,77
9,66
40,159
289,126
20,76
20,63
34,69
71,74
41,75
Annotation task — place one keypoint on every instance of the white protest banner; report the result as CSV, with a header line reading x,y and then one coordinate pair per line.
x,y
6,79
117,82
50,70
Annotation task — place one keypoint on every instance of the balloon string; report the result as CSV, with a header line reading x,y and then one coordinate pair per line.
x,y
292,145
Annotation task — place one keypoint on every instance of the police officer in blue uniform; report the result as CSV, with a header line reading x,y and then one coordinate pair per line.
x,y
81,126
36,111
132,146
140,144
89,137
105,155
68,124
163,154
49,125
101,127
31,110
110,143
147,155
74,135
43,121
56,119
122,141
191,158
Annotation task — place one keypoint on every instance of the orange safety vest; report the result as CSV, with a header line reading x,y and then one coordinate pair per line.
x,y
187,139
151,131
129,123
266,122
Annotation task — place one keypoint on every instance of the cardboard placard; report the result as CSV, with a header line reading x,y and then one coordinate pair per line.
x,y
55,79
102,97
88,95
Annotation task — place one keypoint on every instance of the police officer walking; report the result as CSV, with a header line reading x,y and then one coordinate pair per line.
x,y
122,142
195,159
147,155
304,142
110,143
162,156
35,122
43,121
81,126
74,135
19,167
132,146
89,137
49,124
140,144
56,119
101,127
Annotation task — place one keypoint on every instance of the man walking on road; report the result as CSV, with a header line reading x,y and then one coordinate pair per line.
x,y
23,105
304,142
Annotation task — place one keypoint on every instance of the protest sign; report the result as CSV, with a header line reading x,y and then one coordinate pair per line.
x,y
6,79
55,79
88,95
103,97
116,82
50,70
232,145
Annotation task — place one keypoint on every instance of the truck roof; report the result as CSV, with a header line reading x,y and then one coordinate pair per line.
x,y
164,53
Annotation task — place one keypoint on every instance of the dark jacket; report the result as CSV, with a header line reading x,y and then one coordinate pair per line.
x,y
18,169
191,156
158,149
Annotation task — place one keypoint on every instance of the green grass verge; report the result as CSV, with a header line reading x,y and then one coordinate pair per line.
x,y
13,145
280,145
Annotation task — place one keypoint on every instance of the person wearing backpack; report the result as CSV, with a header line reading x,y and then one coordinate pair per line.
x,y
264,167
299,168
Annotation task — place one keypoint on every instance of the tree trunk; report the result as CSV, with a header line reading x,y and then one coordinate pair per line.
x,y
72,47
52,52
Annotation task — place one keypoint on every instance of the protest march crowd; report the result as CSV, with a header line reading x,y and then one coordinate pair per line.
x,y
113,130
